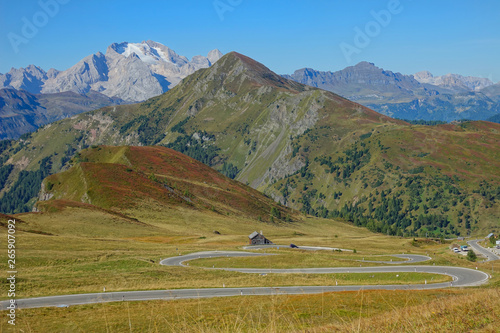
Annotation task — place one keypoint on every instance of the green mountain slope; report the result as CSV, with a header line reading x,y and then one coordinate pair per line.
x,y
308,148
414,179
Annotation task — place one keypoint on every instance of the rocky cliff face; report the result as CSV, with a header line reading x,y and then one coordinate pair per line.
x,y
130,71
30,78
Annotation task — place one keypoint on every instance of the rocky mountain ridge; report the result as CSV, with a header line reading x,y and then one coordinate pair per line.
x,y
413,97
130,71
455,82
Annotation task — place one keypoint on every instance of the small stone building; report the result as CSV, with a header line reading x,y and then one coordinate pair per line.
x,y
256,238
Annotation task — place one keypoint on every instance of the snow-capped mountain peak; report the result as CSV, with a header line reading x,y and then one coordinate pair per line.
x,y
149,53
153,53
131,71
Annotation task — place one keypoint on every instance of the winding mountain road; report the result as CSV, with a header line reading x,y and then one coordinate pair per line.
x,y
462,277
484,251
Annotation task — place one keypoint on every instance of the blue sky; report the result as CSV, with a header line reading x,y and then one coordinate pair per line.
x,y
459,36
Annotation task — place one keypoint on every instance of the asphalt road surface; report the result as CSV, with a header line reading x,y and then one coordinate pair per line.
x,y
462,277
478,248
410,258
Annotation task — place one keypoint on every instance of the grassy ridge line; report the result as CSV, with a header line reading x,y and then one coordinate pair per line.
x,y
121,178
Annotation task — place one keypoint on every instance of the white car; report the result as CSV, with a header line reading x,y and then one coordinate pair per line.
x,y
456,250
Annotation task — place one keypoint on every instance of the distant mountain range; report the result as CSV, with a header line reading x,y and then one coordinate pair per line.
x,y
128,72
413,97
22,112
305,147
132,72
454,82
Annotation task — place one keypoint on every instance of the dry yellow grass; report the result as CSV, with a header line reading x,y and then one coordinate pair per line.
x,y
368,311
293,258
84,255
477,311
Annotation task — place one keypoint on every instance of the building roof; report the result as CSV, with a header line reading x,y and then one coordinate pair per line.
x,y
491,234
253,235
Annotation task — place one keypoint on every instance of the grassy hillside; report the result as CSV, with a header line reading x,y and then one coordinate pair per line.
x,y
307,148
125,178
413,179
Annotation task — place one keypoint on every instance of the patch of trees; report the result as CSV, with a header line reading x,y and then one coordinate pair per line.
x,y
418,206
68,154
425,122
389,218
199,149
365,136
305,173
353,159
229,170
26,136
5,171
471,255
27,186
7,149
306,198
416,170
275,212
243,129
284,188
5,144
148,133
179,127
488,192
295,148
